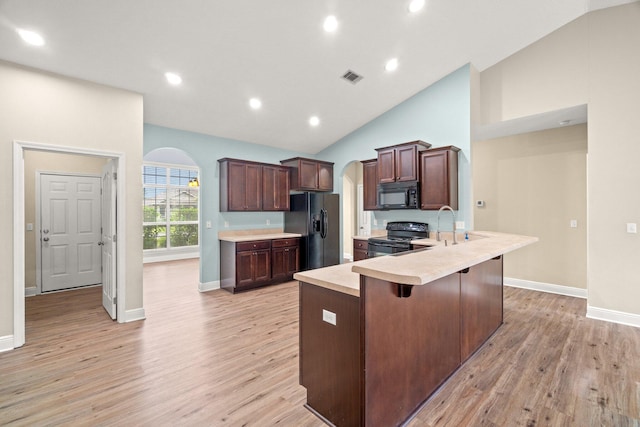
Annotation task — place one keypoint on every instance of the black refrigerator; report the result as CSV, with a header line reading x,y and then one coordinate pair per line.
x,y
316,216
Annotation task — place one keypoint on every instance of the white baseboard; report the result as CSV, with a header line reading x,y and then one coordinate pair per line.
x,y
347,256
209,286
6,343
613,316
170,256
30,291
134,315
546,287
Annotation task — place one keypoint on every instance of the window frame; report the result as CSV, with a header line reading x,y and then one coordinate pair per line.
x,y
170,189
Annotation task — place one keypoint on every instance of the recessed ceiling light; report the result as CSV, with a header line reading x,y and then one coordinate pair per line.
x,y
416,5
330,24
391,64
314,121
173,78
31,37
255,103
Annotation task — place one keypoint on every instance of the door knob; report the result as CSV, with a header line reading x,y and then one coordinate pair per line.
x,y
46,239
100,243
45,231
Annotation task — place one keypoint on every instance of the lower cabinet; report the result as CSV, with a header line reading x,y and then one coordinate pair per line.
x,y
248,265
285,258
373,360
360,249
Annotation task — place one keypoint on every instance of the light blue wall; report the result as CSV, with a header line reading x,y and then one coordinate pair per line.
x,y
205,150
439,115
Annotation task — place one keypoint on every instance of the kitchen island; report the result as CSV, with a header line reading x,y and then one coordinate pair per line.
x,y
379,336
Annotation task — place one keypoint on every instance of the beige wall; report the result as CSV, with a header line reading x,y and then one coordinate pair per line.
x,y
593,60
47,162
50,109
534,184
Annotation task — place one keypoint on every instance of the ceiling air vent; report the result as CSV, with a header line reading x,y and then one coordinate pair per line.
x,y
352,77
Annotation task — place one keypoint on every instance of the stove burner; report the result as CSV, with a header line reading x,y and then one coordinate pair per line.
x,y
399,236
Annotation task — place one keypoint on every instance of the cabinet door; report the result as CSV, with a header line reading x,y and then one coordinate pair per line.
x,y
308,175
275,188
325,177
370,185
253,187
237,182
292,257
386,165
360,249
406,163
244,268
278,268
262,266
438,179
245,187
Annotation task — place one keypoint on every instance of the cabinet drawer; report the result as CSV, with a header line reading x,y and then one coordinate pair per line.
x,y
360,244
250,246
281,243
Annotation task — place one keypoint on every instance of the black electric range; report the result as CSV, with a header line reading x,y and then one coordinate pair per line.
x,y
398,239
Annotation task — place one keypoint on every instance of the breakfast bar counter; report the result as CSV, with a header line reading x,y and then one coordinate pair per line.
x,y
379,336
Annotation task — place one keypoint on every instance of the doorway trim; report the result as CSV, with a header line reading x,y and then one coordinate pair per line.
x,y
19,147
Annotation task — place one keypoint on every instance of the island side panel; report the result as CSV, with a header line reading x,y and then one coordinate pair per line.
x,y
330,365
411,345
481,304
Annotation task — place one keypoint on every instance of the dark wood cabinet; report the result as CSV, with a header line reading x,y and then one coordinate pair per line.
x,y
370,184
252,186
481,311
382,356
285,258
360,248
439,178
400,162
275,188
310,174
248,265
253,263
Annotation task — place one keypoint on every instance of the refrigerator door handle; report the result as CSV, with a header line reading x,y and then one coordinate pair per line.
x,y
324,218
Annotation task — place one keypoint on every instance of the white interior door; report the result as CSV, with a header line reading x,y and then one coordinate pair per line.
x,y
109,238
70,231
364,217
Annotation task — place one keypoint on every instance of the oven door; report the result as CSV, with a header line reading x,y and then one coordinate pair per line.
x,y
375,249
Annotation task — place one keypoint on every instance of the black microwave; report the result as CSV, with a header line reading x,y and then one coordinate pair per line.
x,y
399,195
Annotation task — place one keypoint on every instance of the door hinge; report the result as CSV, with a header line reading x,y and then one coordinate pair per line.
x,y
115,300
115,176
115,238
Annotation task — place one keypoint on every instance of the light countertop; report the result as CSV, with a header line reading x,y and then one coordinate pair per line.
x,y
257,236
417,267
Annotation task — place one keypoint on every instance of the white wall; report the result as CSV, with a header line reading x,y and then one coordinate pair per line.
x,y
46,108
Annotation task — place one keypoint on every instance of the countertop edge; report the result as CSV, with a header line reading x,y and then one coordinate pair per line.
x,y
251,237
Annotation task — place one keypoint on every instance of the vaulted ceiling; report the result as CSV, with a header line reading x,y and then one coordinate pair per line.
x,y
228,52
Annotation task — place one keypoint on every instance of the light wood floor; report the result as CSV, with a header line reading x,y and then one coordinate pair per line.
x,y
216,359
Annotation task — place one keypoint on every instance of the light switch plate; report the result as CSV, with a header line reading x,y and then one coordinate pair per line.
x,y
573,223
631,227
208,224
459,225
329,316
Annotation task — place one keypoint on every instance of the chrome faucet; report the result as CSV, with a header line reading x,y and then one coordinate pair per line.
x,y
453,214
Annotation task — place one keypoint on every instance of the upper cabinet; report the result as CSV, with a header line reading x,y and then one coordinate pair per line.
x,y
251,186
310,174
439,178
370,184
275,188
400,162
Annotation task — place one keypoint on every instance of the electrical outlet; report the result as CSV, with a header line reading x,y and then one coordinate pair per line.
x,y
631,227
375,221
268,222
384,222
573,223
329,316
459,225
226,224
208,224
